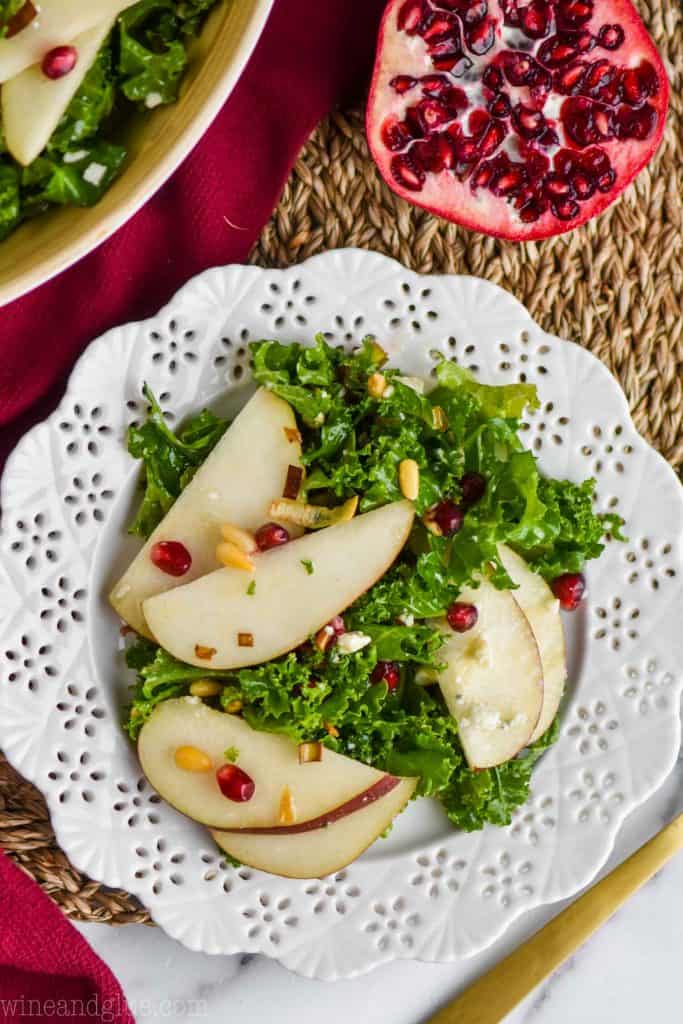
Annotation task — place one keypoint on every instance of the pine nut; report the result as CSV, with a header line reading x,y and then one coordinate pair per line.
x,y
409,479
229,554
206,688
377,385
242,539
192,759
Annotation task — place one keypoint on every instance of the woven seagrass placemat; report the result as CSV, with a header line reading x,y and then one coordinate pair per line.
x,y
615,285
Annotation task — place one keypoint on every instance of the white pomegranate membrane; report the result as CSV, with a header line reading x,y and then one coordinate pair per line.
x,y
520,119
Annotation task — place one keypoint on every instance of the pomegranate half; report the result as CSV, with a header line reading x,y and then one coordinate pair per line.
x,y
517,118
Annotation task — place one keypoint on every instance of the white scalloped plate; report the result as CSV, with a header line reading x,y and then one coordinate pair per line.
x,y
426,892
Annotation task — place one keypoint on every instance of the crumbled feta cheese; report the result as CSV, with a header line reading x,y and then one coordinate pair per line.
x,y
75,155
319,420
94,173
415,383
480,716
153,99
388,392
349,643
487,719
406,619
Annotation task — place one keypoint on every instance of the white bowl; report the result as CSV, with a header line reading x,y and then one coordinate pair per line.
x,y
157,143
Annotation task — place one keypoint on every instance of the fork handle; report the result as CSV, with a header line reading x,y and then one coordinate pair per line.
x,y
490,998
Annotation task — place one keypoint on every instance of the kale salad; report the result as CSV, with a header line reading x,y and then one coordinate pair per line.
x,y
138,66
359,422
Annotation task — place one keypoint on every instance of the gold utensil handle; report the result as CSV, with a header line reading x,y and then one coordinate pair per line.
x,y
495,994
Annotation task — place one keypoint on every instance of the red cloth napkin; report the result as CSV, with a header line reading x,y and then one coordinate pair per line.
x,y
48,973
313,54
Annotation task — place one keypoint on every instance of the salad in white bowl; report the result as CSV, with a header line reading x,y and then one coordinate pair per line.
x,y
70,72
347,598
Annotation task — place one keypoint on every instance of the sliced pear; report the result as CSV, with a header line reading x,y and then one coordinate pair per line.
x,y
33,104
237,483
295,589
542,609
271,761
57,23
319,852
493,682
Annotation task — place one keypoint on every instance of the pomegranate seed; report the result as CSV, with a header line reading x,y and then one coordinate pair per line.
x,y
171,557
481,37
529,123
633,88
531,211
610,37
606,180
59,62
410,16
449,517
636,124
585,42
492,78
549,138
554,52
510,13
402,83
568,80
475,11
407,173
518,67
500,106
535,20
234,783
473,487
565,209
441,27
557,187
574,13
481,176
462,616
386,672
584,186
569,589
396,134
271,535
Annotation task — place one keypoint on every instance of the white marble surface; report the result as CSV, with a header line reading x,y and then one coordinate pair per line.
x,y
628,972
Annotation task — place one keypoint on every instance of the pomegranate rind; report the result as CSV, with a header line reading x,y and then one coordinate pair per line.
x,y
452,197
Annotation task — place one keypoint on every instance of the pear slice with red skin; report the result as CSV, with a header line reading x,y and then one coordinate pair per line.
x,y
236,484
542,609
318,788
320,851
493,680
297,588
